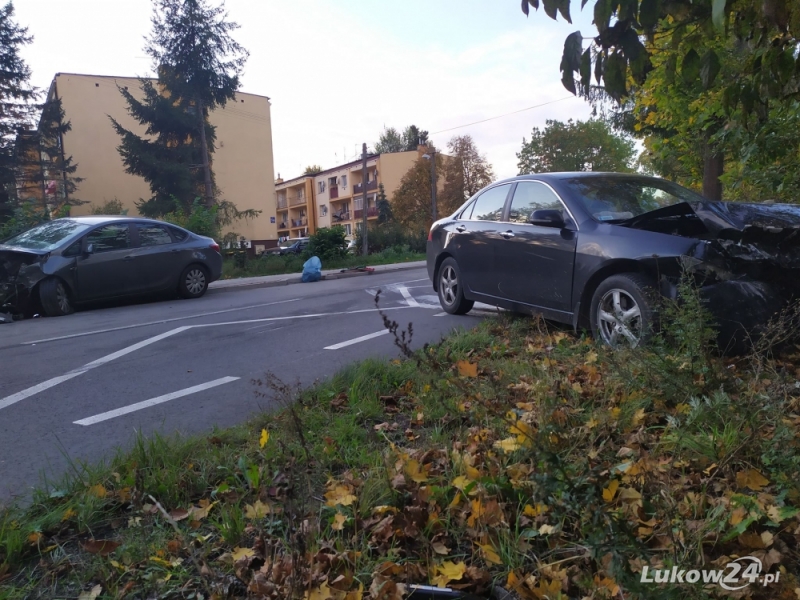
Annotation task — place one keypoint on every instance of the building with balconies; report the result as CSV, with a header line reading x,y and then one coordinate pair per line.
x,y
294,206
336,196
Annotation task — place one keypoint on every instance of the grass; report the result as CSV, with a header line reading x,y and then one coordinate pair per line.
x,y
280,265
510,454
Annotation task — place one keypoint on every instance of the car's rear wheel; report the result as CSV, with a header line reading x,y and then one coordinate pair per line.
x,y
193,282
451,289
622,310
55,298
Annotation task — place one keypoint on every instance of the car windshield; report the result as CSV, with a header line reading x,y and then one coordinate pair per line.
x,y
617,199
47,236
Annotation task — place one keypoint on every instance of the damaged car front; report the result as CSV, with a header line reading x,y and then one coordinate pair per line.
x,y
30,257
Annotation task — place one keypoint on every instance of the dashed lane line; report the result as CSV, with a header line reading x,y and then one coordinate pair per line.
x,y
125,410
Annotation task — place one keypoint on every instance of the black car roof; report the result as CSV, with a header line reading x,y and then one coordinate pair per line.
x,y
100,219
574,175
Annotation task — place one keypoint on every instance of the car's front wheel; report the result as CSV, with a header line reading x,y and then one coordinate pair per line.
x,y
193,282
451,289
55,298
622,310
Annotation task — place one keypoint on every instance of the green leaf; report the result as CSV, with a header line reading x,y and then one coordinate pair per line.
x,y
586,68
569,81
573,48
709,68
649,13
614,75
563,8
602,14
690,68
551,8
718,13
599,63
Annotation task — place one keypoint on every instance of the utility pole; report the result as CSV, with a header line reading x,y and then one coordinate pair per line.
x,y
204,153
433,184
364,244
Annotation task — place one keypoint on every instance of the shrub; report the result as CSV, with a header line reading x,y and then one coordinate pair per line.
x,y
200,219
112,207
393,235
327,244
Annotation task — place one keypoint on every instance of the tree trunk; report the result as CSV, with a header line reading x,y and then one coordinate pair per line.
x,y
713,167
204,153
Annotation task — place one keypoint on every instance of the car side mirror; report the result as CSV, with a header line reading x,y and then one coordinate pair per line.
x,y
547,218
89,249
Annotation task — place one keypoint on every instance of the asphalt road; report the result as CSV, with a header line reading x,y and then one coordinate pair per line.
x,y
74,388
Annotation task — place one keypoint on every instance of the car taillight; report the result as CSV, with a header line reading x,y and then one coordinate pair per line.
x,y
214,246
430,235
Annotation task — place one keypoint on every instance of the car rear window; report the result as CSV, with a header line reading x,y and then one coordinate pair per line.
x,y
489,205
179,234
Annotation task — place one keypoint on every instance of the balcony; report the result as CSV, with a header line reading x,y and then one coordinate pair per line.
x,y
299,223
341,216
333,191
297,201
371,185
281,202
371,212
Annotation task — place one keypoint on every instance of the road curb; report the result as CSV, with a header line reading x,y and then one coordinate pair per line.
x,y
243,282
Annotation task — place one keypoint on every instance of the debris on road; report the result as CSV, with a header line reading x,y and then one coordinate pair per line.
x,y
5,318
361,269
312,270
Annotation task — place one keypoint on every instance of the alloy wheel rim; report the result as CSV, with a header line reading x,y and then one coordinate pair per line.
x,y
619,318
448,284
62,298
195,281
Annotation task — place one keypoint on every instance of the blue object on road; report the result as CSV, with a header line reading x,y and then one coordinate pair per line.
x,y
312,270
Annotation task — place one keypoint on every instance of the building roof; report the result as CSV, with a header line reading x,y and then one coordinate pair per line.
x,y
137,78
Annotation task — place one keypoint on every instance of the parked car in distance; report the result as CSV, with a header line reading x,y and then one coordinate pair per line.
x,y
595,250
290,246
63,263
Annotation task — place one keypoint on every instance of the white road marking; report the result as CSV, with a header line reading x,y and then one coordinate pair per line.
x,y
111,414
363,338
441,314
32,391
408,297
161,322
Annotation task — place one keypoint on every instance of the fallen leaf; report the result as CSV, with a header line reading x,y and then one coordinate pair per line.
x,y
179,514
35,537
440,548
264,438
338,521
68,514
508,445
417,473
467,369
449,571
98,491
546,529
240,553
259,510
610,491
460,482
101,547
92,594
341,494
751,479
490,554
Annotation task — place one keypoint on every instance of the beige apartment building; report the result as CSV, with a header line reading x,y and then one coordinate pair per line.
x,y
242,162
336,196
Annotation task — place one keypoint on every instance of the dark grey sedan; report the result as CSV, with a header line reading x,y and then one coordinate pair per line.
x,y
595,250
65,262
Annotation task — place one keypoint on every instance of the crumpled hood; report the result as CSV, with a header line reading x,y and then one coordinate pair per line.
x,y
739,220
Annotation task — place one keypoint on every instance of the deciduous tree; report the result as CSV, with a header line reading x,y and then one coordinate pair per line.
x,y
465,170
411,203
575,146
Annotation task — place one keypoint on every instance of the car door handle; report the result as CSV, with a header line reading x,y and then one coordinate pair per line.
x,y
461,229
507,234
128,258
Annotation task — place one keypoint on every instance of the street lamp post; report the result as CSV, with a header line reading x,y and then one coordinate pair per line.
x,y
432,157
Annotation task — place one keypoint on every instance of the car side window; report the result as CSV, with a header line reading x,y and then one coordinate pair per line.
x,y
530,196
73,250
179,234
489,205
110,237
152,235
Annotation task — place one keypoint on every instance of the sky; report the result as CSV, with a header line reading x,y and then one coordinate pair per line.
x,y
339,71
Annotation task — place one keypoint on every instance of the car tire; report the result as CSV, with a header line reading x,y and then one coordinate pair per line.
x,y
54,296
622,311
451,289
193,282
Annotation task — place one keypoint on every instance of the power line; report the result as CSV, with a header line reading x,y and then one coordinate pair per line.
x,y
505,115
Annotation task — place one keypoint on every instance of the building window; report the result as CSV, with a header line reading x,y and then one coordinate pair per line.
x,y
344,181
321,186
332,181
323,210
348,229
